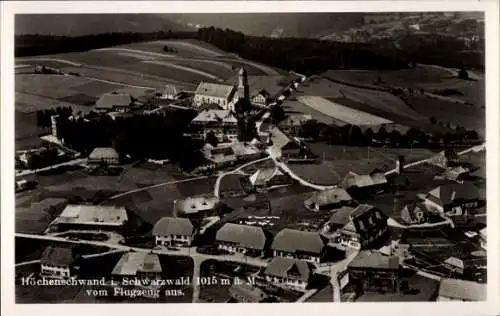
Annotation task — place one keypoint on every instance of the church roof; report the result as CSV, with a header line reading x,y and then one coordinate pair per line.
x,y
215,90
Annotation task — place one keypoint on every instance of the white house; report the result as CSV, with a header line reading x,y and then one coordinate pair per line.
x,y
174,231
57,262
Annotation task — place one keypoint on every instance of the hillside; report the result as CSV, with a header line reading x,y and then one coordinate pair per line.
x,y
85,24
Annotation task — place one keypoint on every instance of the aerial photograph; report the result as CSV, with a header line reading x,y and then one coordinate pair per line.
x,y
250,157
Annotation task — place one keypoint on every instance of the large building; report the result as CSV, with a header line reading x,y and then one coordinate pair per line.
x,y
373,271
453,199
461,290
267,178
174,231
289,273
138,264
222,123
414,213
214,93
57,262
101,217
329,199
104,156
114,102
357,184
356,228
297,244
243,239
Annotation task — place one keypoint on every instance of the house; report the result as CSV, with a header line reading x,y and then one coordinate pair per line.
x,y
289,273
453,199
101,217
262,98
139,265
234,185
169,92
244,292
114,102
243,239
104,156
217,157
356,228
372,271
461,290
283,146
58,262
174,231
364,184
196,206
219,94
297,244
329,199
292,123
269,177
222,123
455,264
414,213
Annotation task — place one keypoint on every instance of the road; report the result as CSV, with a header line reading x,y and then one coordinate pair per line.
x,y
67,163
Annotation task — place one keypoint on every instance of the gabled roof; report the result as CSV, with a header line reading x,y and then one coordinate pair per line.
x,y
261,176
243,235
280,140
341,216
132,262
108,100
291,240
104,153
216,116
57,256
463,290
329,196
454,261
194,204
169,90
354,180
286,268
108,215
447,193
173,226
215,90
374,260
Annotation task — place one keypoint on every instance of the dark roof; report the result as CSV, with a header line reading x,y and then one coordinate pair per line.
x,y
57,256
341,216
447,193
286,267
374,260
173,226
108,100
362,209
248,292
291,240
231,182
330,196
243,235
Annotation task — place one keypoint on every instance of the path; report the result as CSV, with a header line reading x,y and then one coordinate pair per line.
x,y
62,61
67,163
188,69
235,171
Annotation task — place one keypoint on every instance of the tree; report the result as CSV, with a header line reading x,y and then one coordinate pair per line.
x,y
211,139
395,138
382,135
463,74
368,136
309,130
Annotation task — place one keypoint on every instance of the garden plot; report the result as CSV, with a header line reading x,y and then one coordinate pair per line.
x,y
342,113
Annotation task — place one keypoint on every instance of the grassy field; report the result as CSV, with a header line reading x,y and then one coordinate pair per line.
x,y
183,48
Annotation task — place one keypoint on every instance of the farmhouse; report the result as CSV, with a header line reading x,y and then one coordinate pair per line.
x,y
461,290
174,231
222,123
101,217
283,146
296,244
356,228
262,98
246,293
289,273
269,177
169,92
219,94
414,213
329,199
234,185
243,239
104,156
453,199
357,184
373,271
138,264
57,262
454,264
196,206
116,102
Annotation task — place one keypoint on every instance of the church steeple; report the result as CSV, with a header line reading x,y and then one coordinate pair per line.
x,y
243,89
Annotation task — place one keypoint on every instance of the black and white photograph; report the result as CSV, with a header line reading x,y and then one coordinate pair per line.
x,y
266,157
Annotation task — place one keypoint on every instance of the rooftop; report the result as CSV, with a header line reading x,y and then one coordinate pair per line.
x,y
215,116
286,267
132,262
215,90
93,215
463,290
447,193
104,153
291,240
330,196
243,235
57,256
261,176
173,226
194,204
374,260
